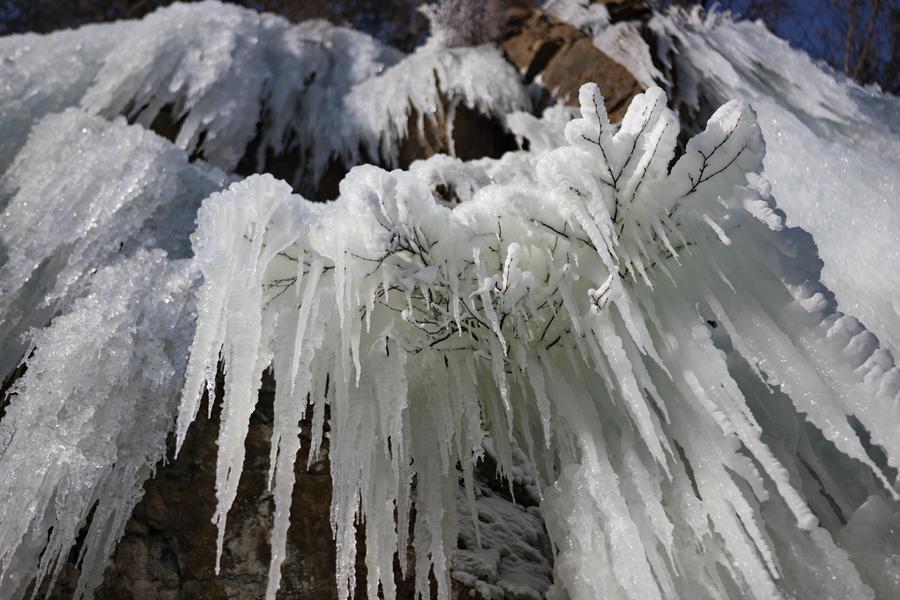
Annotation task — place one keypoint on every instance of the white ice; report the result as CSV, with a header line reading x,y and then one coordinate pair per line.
x,y
832,149
647,343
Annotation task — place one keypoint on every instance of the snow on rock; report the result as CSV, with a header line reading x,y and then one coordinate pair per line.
x,y
625,44
508,554
591,316
454,180
503,549
234,85
556,57
583,14
832,149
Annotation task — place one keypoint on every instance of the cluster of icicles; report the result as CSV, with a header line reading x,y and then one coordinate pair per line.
x,y
653,338
622,322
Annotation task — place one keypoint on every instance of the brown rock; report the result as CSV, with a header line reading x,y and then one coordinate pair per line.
x,y
565,58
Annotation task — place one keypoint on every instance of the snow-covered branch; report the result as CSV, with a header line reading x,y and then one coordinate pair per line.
x,y
570,317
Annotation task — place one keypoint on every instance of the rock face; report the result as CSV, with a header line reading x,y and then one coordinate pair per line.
x,y
564,58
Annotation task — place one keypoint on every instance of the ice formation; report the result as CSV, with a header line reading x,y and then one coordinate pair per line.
x,y
233,85
88,421
638,339
578,315
833,149
83,222
108,258
85,201
805,110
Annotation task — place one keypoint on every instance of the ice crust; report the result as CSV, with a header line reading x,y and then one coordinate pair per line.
x,y
107,259
640,340
60,221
